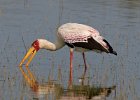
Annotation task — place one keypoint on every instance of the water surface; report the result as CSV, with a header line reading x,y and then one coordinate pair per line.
x,y
23,21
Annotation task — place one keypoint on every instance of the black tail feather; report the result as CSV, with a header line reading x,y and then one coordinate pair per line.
x,y
114,52
110,48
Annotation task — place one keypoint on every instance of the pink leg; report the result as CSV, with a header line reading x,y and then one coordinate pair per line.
x,y
71,67
84,62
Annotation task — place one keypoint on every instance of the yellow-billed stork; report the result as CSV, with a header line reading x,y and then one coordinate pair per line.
x,y
78,37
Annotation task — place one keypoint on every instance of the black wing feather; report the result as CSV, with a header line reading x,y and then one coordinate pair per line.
x,y
91,44
110,48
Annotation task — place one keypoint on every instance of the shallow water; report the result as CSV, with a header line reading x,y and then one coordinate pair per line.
x,y
23,21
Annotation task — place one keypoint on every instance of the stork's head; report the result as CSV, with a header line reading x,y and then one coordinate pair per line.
x,y
31,52
35,44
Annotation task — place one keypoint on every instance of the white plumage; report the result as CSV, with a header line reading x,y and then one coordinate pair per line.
x,y
74,32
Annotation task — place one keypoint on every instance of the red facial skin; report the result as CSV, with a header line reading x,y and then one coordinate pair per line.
x,y
35,44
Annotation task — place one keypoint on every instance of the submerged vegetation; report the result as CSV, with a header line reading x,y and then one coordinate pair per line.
x,y
59,92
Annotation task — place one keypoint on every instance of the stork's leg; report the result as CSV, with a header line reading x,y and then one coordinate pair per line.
x,y
84,62
71,67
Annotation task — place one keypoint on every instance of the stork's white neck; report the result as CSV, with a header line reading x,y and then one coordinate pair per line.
x,y
45,44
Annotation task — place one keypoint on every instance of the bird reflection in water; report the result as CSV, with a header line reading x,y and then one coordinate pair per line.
x,y
51,90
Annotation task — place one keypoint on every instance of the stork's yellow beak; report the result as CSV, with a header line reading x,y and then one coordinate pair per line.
x,y
31,53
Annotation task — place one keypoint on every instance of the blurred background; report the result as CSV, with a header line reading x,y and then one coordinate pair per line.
x,y
23,21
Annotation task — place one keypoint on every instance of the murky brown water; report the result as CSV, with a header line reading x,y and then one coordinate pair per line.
x,y
22,21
